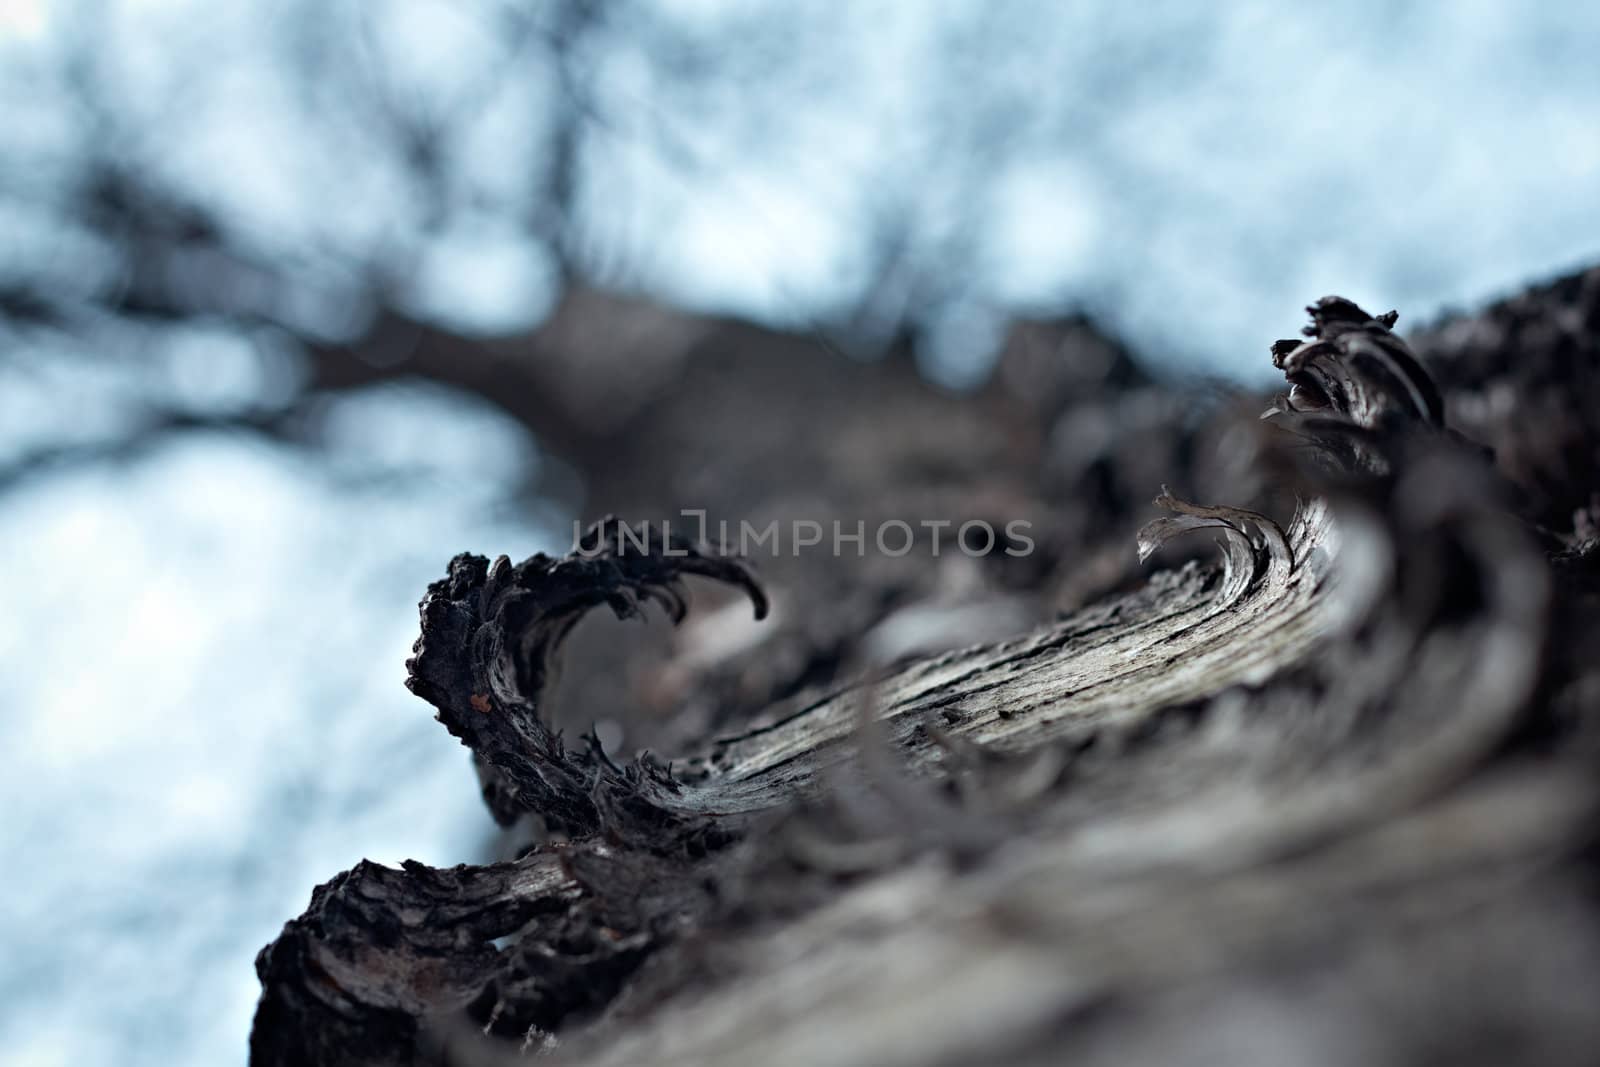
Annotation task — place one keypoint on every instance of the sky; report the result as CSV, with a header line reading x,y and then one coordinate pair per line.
x,y
206,716
203,643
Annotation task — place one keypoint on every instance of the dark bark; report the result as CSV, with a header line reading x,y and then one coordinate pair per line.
x,y
1328,799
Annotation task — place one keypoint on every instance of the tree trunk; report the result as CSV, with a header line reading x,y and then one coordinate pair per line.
x,y
1326,798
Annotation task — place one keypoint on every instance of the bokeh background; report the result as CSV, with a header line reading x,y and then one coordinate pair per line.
x,y
298,299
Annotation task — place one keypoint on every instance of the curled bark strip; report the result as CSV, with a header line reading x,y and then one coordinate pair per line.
x,y
488,632
1356,365
381,953
1266,554
1355,387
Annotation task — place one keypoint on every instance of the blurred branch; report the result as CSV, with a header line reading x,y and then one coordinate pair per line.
x,y
399,347
157,428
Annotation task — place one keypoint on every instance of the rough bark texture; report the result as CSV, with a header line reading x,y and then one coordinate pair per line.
x,y
1326,799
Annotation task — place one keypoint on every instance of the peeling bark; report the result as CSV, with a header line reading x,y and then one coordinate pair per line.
x,y
488,632
1326,799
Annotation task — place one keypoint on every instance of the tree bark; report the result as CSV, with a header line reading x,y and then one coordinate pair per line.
x,y
1327,798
